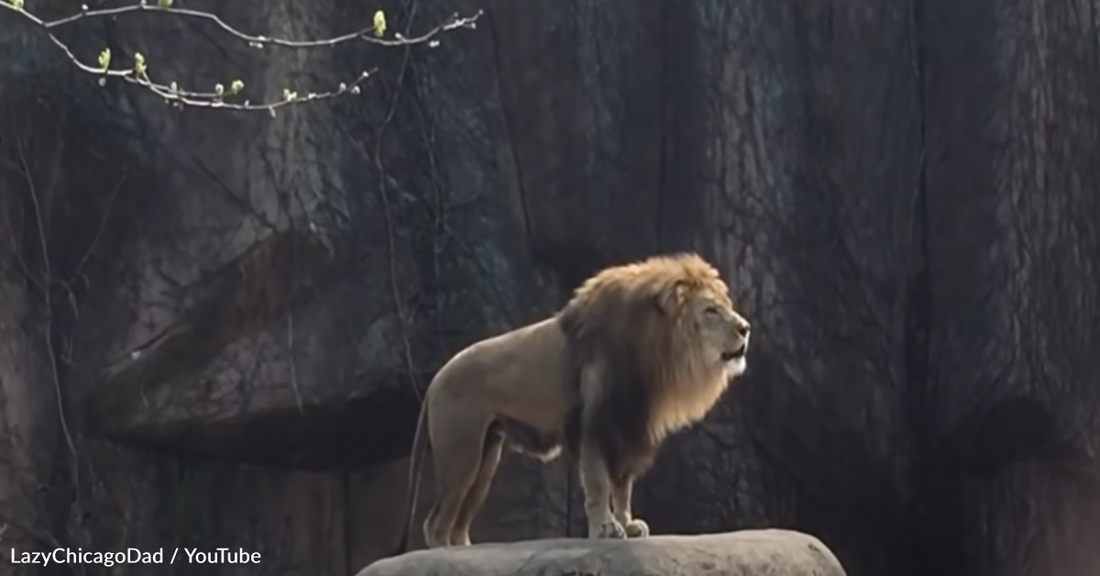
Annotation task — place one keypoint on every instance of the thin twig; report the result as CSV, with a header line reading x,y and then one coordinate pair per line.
x,y
290,355
46,281
98,232
173,94
454,22
391,242
138,74
17,248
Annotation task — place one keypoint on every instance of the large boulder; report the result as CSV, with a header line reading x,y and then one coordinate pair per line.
x,y
771,552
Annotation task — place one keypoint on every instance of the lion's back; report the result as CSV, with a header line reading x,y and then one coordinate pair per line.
x,y
525,374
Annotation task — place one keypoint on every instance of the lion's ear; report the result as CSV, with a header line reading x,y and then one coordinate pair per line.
x,y
672,299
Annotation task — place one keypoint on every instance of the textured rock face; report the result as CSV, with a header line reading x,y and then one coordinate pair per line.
x,y
903,196
741,553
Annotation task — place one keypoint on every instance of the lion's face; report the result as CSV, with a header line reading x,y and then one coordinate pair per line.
x,y
724,332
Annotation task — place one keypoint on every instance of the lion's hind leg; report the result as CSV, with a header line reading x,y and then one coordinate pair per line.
x,y
458,437
490,459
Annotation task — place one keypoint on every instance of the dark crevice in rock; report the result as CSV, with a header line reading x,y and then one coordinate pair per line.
x,y
1009,432
341,433
936,492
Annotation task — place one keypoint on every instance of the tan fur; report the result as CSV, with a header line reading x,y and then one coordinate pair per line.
x,y
651,333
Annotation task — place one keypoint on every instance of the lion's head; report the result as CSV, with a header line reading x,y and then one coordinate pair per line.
x,y
697,302
670,314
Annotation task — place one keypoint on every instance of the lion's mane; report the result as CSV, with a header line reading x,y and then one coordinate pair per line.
x,y
635,319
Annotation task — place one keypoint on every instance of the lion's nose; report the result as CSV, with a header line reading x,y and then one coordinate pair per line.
x,y
743,329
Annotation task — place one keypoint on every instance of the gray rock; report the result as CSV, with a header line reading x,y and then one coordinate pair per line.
x,y
770,552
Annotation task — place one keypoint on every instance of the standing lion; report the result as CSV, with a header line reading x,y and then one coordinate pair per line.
x,y
642,350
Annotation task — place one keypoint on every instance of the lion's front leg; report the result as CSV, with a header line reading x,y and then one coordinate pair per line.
x,y
597,493
620,502
595,480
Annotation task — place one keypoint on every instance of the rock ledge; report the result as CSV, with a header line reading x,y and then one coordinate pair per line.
x,y
769,552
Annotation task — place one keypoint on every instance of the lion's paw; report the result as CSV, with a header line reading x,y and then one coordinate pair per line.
x,y
609,528
636,528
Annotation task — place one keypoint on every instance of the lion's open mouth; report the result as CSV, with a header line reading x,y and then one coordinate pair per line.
x,y
735,354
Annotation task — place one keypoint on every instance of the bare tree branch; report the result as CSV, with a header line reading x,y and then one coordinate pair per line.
x,y
138,72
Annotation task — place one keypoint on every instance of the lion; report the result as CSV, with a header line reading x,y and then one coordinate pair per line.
x,y
640,351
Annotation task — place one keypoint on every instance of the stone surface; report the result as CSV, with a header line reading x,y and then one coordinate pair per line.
x,y
770,552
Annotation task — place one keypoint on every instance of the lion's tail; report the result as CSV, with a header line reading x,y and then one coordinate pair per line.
x,y
420,441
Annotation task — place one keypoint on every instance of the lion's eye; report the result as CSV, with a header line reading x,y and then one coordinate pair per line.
x,y
713,311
